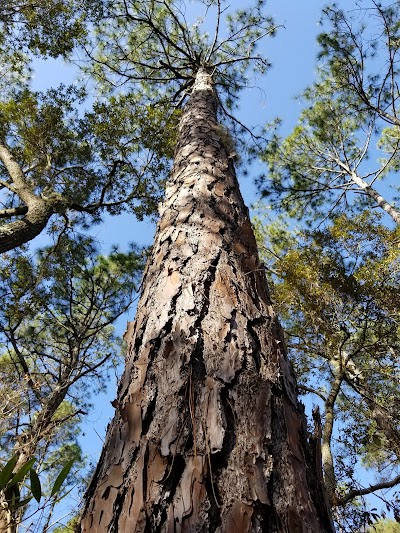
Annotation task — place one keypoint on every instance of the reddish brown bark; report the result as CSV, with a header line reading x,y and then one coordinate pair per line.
x,y
208,434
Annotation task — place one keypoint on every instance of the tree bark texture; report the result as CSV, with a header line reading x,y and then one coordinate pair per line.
x,y
208,435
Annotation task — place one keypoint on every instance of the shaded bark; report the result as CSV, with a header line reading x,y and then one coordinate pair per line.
x,y
36,209
19,232
208,434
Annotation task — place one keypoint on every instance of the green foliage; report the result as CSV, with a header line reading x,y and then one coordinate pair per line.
x,y
91,163
45,27
53,310
356,40
153,46
384,526
61,478
11,484
336,292
71,527
305,174
36,487
14,491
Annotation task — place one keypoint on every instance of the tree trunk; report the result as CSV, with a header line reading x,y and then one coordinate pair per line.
x,y
208,434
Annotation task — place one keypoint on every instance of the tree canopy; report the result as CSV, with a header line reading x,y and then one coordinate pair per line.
x,y
344,152
58,160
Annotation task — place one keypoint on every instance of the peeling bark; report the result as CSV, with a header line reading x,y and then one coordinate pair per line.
x,y
208,434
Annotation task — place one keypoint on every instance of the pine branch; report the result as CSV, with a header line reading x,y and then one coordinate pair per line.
x,y
354,493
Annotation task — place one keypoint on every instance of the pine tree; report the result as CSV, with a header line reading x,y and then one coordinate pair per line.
x,y
208,434
329,163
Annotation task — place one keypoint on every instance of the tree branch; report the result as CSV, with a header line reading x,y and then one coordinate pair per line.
x,y
38,212
13,211
372,193
354,493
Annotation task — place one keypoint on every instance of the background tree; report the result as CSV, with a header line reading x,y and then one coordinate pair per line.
x,y
208,433
336,292
342,157
329,163
55,161
58,345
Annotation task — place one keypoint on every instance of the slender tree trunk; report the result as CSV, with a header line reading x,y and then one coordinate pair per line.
x,y
379,199
326,445
371,192
208,434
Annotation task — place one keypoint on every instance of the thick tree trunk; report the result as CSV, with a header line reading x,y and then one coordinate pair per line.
x,y
208,434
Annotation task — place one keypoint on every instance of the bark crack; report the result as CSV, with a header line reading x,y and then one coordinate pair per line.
x,y
257,350
214,510
148,418
121,494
